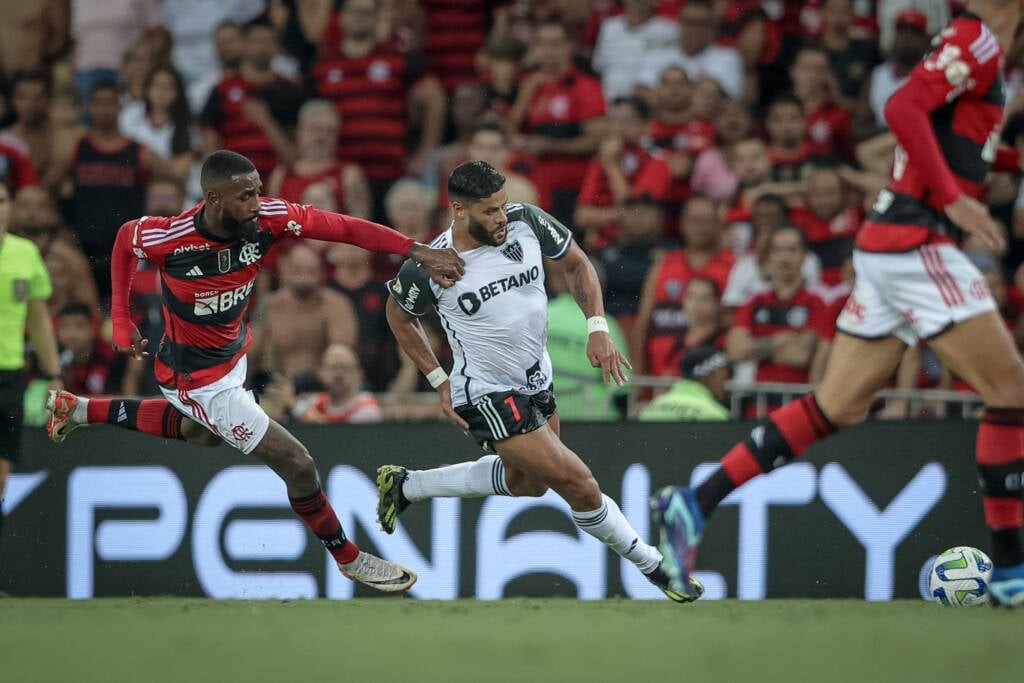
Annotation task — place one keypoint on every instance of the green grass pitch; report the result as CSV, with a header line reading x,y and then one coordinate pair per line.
x,y
394,640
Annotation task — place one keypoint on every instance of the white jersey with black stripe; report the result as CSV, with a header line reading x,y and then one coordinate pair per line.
x,y
496,316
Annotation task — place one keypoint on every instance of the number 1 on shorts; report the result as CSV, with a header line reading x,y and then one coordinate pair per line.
x,y
511,401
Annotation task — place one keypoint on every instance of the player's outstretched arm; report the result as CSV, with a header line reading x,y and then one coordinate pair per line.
x,y
123,262
413,342
444,265
585,287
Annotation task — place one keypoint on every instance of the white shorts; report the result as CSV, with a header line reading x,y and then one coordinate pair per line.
x,y
225,408
913,295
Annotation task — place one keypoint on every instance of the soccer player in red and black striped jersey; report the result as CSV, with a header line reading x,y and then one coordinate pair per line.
x,y
209,257
913,283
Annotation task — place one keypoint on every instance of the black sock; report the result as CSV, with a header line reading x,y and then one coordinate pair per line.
x,y
1006,548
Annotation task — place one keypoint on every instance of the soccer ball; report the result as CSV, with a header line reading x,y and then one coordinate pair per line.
x,y
960,576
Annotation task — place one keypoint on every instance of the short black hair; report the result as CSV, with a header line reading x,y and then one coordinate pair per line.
x,y
105,84
220,166
639,105
76,308
474,180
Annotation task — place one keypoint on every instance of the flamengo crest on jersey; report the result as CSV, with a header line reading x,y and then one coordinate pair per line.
x,y
495,317
206,284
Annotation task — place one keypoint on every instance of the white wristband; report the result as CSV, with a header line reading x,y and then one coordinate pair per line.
x,y
437,377
598,323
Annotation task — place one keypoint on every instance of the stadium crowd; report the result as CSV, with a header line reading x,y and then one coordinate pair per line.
x,y
714,159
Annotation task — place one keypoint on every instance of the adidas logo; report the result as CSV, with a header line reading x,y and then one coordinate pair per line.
x,y
122,413
194,271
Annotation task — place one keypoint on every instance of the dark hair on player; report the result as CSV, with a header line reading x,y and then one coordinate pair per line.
x,y
220,166
105,84
474,180
76,308
639,105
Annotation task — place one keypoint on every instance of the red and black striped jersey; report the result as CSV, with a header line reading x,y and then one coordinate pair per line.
x,y
456,30
946,119
765,314
206,281
224,113
371,94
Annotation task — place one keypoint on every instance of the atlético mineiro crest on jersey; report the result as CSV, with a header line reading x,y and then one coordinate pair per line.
x,y
513,251
224,260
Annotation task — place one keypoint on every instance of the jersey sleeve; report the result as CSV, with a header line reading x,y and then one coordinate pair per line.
x,y
555,239
967,57
411,289
288,220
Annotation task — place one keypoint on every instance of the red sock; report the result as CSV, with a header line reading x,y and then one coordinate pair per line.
x,y
154,416
786,434
317,513
999,453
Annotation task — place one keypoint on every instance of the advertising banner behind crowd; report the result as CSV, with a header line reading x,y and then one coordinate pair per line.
x,y
114,513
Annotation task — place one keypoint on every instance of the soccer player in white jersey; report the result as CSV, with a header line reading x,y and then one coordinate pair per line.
x,y
500,387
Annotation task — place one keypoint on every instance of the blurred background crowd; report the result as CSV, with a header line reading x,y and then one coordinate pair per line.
x,y
714,159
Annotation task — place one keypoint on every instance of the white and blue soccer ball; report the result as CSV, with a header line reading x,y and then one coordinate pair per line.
x,y
960,577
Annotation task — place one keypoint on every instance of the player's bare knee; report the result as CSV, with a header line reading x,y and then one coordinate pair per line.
x,y
198,435
301,467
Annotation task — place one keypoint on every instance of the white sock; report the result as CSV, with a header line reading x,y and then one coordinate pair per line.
x,y
483,477
608,525
80,413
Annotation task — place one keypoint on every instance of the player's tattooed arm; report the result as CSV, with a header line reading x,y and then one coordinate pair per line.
x,y
582,281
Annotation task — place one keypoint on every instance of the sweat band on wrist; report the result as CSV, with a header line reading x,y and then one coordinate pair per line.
x,y
597,323
437,377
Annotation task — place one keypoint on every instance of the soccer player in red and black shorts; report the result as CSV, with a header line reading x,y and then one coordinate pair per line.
x,y
208,258
913,283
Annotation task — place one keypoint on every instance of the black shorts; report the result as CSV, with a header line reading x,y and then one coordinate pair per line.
x,y
12,413
497,416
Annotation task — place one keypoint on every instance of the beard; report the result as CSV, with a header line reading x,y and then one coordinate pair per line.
x,y
478,232
906,56
246,230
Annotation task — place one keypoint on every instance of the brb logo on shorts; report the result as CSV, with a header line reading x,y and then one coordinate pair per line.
x,y
209,303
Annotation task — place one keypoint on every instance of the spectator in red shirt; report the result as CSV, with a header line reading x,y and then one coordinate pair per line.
x,y
623,167
381,93
30,101
779,327
16,169
702,308
253,112
829,125
560,110
660,318
85,359
676,131
829,225
787,139
316,139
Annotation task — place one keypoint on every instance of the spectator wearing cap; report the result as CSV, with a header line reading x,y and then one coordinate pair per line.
x,y
622,167
851,58
698,396
624,41
697,52
911,41
937,12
